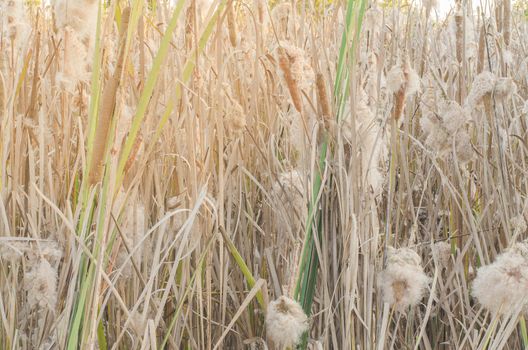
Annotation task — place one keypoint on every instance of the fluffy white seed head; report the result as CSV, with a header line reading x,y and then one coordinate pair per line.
x,y
14,22
14,250
288,191
482,85
501,286
403,77
403,282
518,224
300,66
429,4
486,83
79,15
442,253
445,128
285,322
40,282
76,22
370,139
395,79
504,88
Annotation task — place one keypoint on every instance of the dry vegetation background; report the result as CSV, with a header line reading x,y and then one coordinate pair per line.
x,y
164,169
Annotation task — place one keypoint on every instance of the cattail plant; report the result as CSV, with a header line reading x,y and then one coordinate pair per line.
x,y
296,71
445,130
288,193
402,81
108,104
15,23
403,282
251,139
501,286
285,322
76,22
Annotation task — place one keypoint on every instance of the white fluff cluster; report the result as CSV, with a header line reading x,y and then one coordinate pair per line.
x,y
289,192
403,282
235,117
442,253
40,283
283,22
501,286
79,15
76,21
372,20
14,249
300,65
487,84
446,128
403,77
14,22
370,138
285,322
518,223
429,4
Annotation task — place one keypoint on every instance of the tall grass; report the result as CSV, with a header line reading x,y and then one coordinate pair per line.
x,y
169,169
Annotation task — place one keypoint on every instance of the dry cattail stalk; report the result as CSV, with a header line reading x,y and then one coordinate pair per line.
x,y
501,286
107,107
285,322
402,81
403,282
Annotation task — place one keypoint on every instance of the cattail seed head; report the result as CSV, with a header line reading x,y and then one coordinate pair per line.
x,y
285,322
402,81
289,192
297,71
486,84
442,253
40,282
403,282
501,286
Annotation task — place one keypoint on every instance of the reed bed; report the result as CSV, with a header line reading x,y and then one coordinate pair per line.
x,y
218,174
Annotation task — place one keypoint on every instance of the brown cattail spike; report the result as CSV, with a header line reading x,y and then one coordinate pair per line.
x,y
506,22
293,87
322,96
107,107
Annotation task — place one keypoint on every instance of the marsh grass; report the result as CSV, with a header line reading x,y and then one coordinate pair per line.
x,y
150,189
